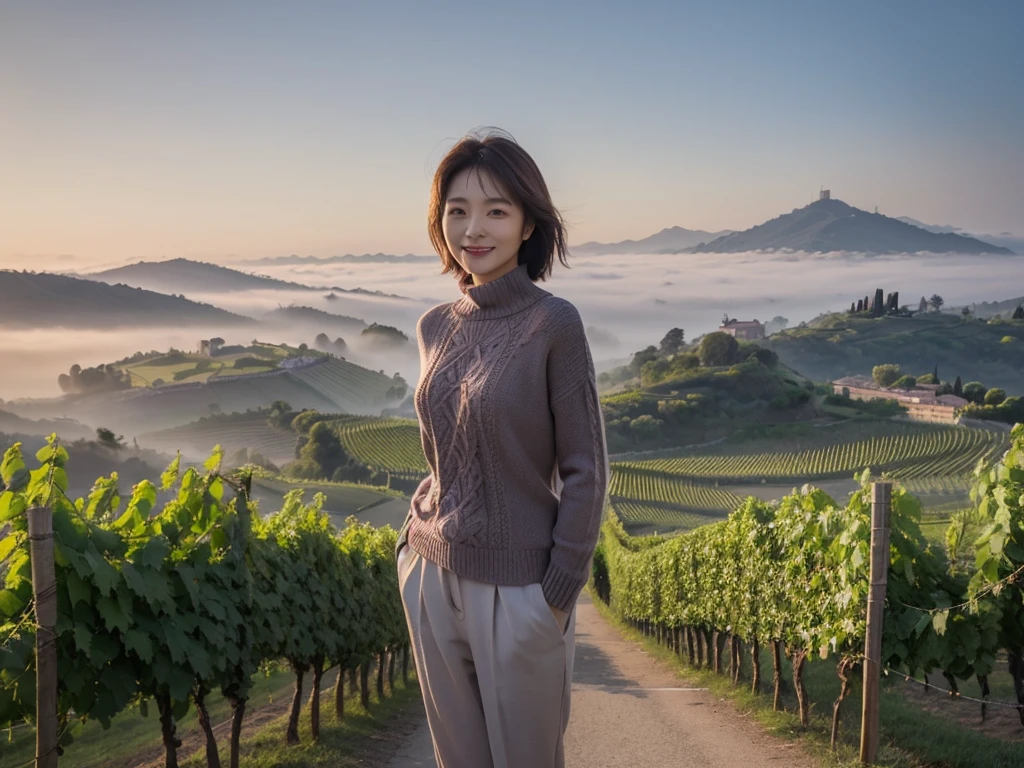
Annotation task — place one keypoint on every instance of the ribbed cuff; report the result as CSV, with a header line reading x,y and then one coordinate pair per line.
x,y
561,588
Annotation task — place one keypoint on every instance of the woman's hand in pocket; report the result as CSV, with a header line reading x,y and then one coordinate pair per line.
x,y
560,616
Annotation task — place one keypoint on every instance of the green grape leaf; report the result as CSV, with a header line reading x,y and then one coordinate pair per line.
x,y
137,641
154,553
112,614
170,475
103,649
78,590
83,638
104,573
12,505
10,604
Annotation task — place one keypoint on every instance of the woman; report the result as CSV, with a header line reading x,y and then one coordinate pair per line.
x,y
500,535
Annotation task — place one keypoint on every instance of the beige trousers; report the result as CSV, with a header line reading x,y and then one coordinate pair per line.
x,y
494,666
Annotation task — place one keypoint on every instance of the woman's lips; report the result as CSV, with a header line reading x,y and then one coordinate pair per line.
x,y
477,251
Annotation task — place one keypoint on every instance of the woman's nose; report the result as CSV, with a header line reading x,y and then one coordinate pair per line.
x,y
475,227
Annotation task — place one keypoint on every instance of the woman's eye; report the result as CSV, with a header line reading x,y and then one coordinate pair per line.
x,y
453,211
498,210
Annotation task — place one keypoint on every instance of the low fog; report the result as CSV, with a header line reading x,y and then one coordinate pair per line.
x,y
633,299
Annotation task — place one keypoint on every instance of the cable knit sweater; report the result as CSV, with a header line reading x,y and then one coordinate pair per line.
x,y
511,427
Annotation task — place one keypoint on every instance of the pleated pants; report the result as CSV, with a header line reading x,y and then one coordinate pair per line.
x,y
494,666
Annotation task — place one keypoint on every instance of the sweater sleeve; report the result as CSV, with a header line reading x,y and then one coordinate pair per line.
x,y
582,457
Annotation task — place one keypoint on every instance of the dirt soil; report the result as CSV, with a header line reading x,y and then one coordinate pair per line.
x,y
628,709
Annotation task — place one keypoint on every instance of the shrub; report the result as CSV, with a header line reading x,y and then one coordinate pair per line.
x,y
974,392
718,348
250,362
995,396
766,357
886,375
904,382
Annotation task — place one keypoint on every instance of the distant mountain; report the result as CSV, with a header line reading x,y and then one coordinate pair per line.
x,y
348,258
832,225
670,240
44,300
68,429
188,277
1004,239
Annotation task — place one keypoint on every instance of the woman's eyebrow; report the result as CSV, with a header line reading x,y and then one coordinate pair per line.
x,y
489,200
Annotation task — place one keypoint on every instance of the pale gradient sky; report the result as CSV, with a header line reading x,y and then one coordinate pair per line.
x,y
158,130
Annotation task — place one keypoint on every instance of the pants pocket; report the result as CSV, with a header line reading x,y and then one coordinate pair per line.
x,y
542,604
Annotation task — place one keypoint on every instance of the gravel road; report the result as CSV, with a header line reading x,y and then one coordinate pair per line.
x,y
629,709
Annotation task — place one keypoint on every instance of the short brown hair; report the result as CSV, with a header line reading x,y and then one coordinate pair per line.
x,y
511,167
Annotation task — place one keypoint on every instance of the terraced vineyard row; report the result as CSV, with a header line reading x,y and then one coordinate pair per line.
x,y
392,444
661,516
629,484
641,498
909,453
348,385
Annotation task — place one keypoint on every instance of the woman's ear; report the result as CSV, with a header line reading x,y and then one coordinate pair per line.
x,y
527,231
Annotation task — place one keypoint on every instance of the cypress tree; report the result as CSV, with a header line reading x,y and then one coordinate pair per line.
x,y
923,306
876,308
1018,313
935,373
958,387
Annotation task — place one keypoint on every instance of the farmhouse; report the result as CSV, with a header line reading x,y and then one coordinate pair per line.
x,y
743,329
922,403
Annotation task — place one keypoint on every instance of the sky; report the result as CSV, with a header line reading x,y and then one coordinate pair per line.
x,y
216,131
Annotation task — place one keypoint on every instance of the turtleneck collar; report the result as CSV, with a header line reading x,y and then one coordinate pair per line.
x,y
510,293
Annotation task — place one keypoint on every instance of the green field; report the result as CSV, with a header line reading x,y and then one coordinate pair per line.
x,y
165,367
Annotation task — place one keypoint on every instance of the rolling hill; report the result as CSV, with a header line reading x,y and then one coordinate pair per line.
x,y
832,225
839,344
326,384
188,277
669,240
45,300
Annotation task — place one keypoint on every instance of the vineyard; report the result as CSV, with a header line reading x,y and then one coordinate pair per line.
x,y
231,433
165,606
661,500
792,577
392,444
907,451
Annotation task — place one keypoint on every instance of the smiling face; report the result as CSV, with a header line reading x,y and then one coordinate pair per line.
x,y
483,227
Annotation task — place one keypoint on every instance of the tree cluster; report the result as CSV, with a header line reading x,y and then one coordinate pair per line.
x,y
101,378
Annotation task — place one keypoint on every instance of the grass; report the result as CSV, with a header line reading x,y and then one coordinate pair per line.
x,y
133,739
364,737
911,737
131,734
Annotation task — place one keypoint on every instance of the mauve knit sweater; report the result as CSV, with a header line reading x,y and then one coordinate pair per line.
x,y
508,410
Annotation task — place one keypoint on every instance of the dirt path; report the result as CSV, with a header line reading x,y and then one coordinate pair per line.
x,y
629,709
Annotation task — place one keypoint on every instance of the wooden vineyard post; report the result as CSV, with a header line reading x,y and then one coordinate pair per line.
x,y
44,591
881,497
